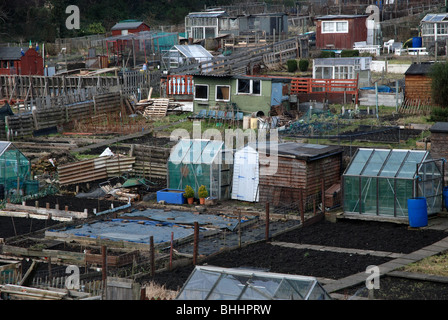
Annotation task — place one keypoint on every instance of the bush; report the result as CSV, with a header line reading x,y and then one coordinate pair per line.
x,y
349,53
292,65
202,192
439,85
189,192
439,114
303,65
327,54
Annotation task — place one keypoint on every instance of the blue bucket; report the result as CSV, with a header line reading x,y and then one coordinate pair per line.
x,y
417,42
445,197
417,212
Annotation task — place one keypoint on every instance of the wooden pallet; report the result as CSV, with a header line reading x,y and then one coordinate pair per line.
x,y
158,108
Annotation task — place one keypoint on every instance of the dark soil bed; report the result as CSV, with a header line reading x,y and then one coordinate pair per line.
x,y
394,288
366,235
10,227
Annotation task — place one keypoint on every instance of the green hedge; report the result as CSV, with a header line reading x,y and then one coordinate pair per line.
x,y
303,65
349,53
292,65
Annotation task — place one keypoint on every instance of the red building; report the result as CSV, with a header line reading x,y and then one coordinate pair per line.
x,y
15,61
129,26
340,31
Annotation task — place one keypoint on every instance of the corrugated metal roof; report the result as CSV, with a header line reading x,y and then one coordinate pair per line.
x,y
11,53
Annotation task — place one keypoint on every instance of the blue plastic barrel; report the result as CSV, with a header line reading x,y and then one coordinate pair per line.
x,y
416,42
417,212
445,196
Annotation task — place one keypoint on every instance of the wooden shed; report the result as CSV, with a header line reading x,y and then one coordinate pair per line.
x,y
418,83
129,26
340,31
302,168
15,61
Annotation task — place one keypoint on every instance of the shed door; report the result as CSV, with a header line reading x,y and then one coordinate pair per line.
x,y
245,175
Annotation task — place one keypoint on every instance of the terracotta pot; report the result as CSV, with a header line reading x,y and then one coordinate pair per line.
x,y
190,200
201,200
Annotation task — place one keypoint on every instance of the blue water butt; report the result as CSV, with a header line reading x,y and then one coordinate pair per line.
x,y
416,42
417,212
445,197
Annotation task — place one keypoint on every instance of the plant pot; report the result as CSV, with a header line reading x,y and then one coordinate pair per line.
x,y
201,200
190,200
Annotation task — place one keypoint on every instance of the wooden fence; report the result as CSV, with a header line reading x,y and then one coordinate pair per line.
x,y
150,162
26,123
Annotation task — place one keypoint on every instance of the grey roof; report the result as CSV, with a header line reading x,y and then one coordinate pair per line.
x,y
303,151
419,68
124,25
11,53
340,16
439,127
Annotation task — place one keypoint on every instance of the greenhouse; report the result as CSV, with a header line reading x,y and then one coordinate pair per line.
x,y
15,172
200,162
215,283
379,182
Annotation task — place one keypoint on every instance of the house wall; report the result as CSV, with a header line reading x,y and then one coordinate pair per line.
x,y
418,87
439,147
294,175
357,31
32,63
246,102
8,70
142,27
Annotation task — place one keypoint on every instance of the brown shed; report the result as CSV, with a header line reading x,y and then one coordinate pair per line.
x,y
439,141
301,168
340,31
418,83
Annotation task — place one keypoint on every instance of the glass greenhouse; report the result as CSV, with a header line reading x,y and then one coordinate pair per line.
x,y
215,283
379,182
200,162
15,171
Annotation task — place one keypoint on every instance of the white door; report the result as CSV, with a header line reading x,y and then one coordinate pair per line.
x,y
245,175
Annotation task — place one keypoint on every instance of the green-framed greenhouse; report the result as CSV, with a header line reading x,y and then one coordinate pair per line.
x,y
15,172
378,182
197,162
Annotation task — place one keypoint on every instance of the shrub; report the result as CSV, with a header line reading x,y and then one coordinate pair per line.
x,y
303,65
292,65
189,192
202,192
349,53
327,54
439,84
439,114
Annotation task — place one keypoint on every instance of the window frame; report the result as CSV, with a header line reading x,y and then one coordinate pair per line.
x,y
334,29
208,92
251,87
216,92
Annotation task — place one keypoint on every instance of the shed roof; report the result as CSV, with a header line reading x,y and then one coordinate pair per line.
x,y
127,24
419,68
340,16
208,14
437,17
439,127
304,151
11,53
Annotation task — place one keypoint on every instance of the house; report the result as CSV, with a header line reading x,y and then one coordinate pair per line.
x,y
181,55
340,31
208,24
302,170
249,94
434,27
18,61
418,83
343,68
129,26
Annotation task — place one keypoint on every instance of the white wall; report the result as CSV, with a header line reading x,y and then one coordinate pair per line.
x,y
378,66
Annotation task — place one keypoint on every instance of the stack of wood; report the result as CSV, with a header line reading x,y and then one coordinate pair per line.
x,y
49,163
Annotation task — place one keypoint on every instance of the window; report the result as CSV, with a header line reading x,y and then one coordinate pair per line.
x,y
222,93
334,26
246,86
201,92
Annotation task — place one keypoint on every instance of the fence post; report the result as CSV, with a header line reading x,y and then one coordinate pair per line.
x,y
195,244
151,248
267,222
104,269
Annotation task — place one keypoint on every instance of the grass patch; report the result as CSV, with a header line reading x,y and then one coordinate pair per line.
x,y
434,265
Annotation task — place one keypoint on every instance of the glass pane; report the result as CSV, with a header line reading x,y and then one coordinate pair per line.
x,y
410,165
351,194
386,192
359,162
368,195
375,163
256,87
393,163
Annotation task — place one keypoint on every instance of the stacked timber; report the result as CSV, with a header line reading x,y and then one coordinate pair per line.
x,y
150,162
94,169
